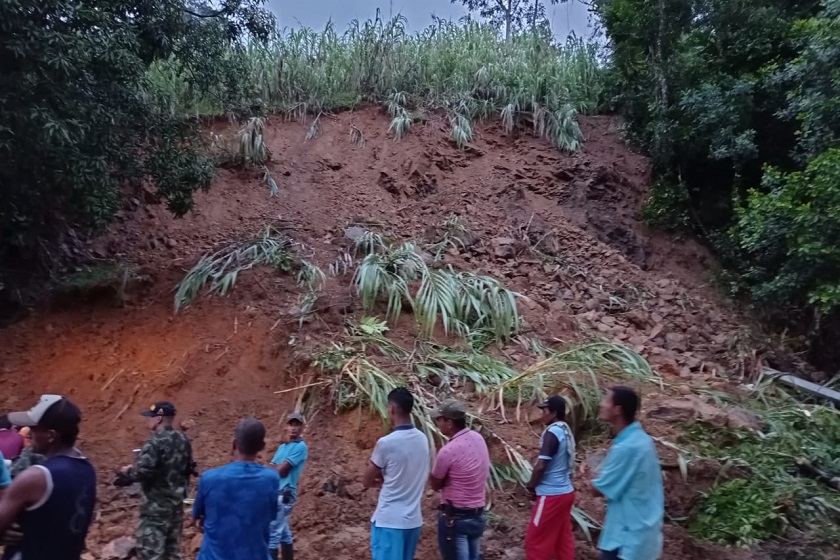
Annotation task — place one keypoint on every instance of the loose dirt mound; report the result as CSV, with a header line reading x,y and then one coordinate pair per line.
x,y
560,229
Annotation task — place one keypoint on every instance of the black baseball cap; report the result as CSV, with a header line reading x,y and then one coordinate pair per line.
x,y
554,404
160,408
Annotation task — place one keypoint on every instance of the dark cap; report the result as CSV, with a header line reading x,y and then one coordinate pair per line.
x,y
295,417
555,404
451,409
161,408
52,412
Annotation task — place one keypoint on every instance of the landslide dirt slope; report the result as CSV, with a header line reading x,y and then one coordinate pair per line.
x,y
598,273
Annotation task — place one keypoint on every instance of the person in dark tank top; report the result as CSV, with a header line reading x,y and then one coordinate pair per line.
x,y
52,502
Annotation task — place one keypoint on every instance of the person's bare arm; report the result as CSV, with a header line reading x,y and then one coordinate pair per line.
x,y
372,476
550,447
436,483
283,468
26,490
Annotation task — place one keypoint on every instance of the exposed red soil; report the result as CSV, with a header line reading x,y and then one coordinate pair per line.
x,y
224,358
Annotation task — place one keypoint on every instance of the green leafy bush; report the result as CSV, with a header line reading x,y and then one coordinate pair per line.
x,y
740,512
81,122
790,231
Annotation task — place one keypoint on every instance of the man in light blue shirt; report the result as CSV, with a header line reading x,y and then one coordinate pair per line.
x,y
288,461
631,481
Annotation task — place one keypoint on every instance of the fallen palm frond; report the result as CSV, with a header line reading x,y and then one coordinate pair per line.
x,y
363,382
401,124
585,522
388,275
268,179
342,264
221,269
369,243
311,279
252,148
578,372
357,137
463,302
333,358
485,372
314,128
370,333
454,233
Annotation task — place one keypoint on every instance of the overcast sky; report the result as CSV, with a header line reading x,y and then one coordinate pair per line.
x,y
566,17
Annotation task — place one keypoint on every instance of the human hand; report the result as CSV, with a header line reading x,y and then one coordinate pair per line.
x,y
126,469
12,536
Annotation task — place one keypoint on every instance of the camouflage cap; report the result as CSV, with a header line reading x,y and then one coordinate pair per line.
x,y
452,409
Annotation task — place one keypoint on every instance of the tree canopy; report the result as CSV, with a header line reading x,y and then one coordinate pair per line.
x,y
79,121
737,104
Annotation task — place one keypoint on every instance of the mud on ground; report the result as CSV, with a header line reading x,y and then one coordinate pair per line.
x,y
559,228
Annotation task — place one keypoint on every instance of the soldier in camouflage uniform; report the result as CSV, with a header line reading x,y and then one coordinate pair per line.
x,y
27,457
162,469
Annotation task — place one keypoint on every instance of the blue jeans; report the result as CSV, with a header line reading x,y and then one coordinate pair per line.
x,y
609,555
462,540
279,530
393,544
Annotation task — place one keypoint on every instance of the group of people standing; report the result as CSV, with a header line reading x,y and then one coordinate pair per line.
x,y
630,479
243,508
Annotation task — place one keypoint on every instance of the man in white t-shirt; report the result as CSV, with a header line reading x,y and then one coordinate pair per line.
x,y
400,463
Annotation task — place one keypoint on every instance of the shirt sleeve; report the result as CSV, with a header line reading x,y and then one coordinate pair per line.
x,y
616,474
198,506
297,455
276,459
379,457
146,465
273,493
5,477
550,446
443,462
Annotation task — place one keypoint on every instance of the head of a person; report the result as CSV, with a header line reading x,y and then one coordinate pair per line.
x,y
4,423
450,417
553,409
161,413
400,405
620,406
294,425
53,424
249,438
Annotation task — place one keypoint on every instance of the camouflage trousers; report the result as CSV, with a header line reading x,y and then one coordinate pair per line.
x,y
159,536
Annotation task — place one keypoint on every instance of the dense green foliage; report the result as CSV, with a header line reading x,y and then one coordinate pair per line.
x,y
79,120
737,104
464,70
511,15
767,495
100,100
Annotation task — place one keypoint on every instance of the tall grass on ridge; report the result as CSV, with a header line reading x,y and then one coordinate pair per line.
x,y
466,70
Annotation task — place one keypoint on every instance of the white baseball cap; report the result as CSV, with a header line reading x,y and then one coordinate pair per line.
x,y
35,415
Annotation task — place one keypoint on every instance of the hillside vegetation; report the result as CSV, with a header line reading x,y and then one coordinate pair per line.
x,y
737,105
